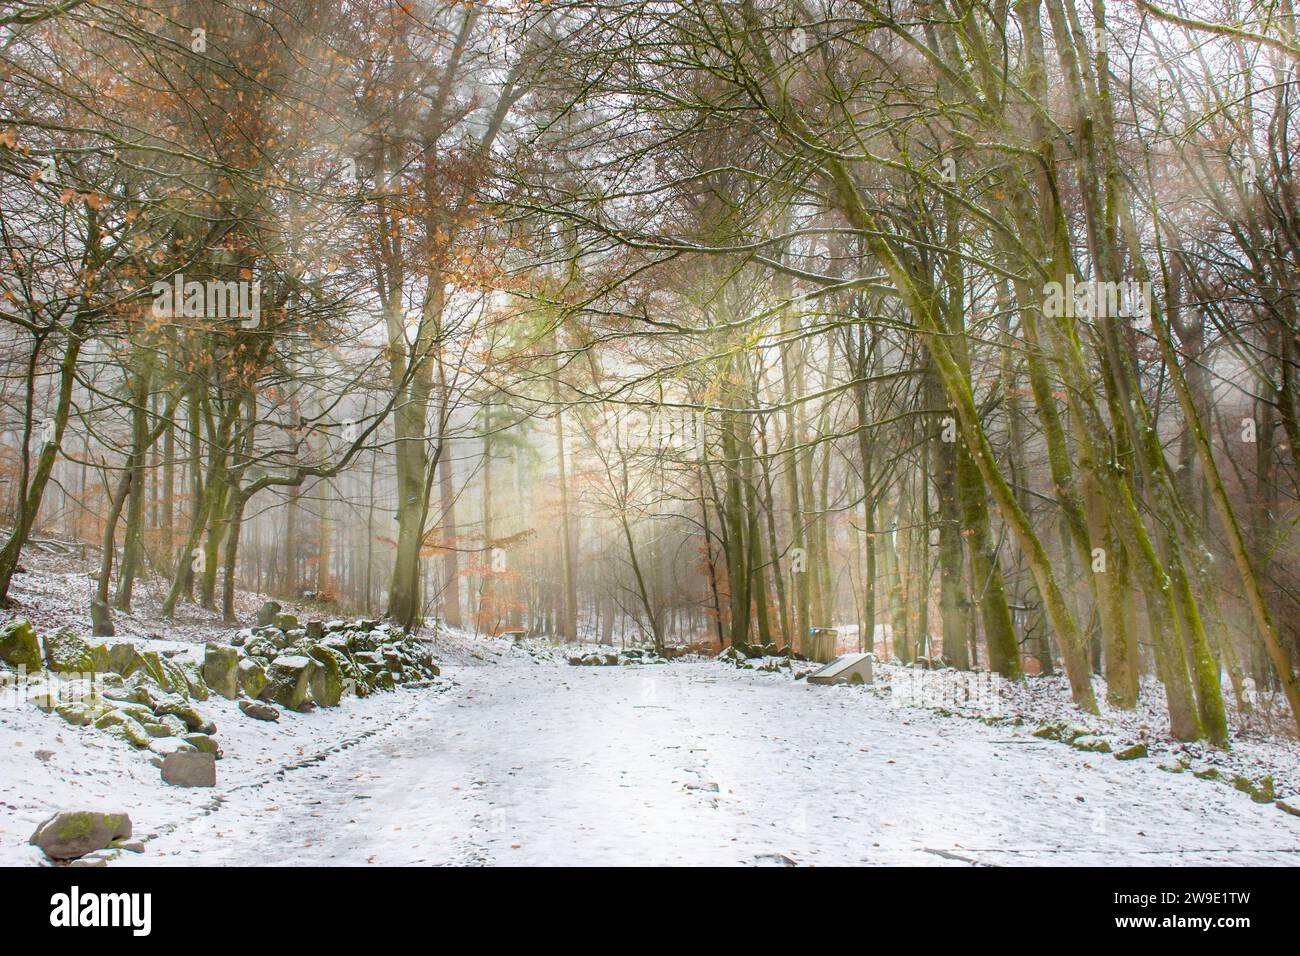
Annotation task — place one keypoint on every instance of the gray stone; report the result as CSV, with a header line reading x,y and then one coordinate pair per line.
x,y
267,612
204,744
19,645
65,652
258,710
70,834
101,619
252,677
190,769
221,669
290,678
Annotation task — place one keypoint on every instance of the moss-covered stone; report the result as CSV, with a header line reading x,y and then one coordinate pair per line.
x,y
179,707
329,678
124,659
66,653
1261,790
19,645
1091,744
70,834
204,743
221,669
81,713
286,622
252,677
1135,752
290,681
194,682
122,725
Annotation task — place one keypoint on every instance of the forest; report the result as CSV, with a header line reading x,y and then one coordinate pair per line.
x,y
965,331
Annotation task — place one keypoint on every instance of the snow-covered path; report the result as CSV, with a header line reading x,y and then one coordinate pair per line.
x,y
699,764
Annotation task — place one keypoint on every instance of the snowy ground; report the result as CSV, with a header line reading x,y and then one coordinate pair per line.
x,y
515,757
696,763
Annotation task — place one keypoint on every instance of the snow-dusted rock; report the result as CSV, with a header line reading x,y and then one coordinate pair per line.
x,y
267,612
182,769
19,645
258,710
252,677
70,834
221,669
290,677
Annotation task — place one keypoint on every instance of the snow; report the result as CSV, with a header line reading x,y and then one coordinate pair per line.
x,y
515,757
689,763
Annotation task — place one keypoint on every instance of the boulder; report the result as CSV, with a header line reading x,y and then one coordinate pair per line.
x,y
286,622
221,669
315,630
66,653
262,647
122,725
168,725
170,745
81,713
194,682
181,769
1135,752
101,619
252,677
258,710
165,672
1091,744
124,659
186,711
70,834
289,681
204,744
329,678
19,645
267,612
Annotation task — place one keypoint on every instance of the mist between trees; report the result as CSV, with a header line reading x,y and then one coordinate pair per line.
x,y
694,323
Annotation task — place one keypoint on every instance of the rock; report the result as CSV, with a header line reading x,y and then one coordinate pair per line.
x,y
125,726
1172,766
81,713
1091,744
101,619
189,769
286,622
130,846
168,725
329,677
1135,752
267,612
315,630
1290,805
183,709
221,669
194,682
66,653
19,645
70,834
262,647
252,677
170,745
166,673
258,710
289,681
204,744
124,659
1260,791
